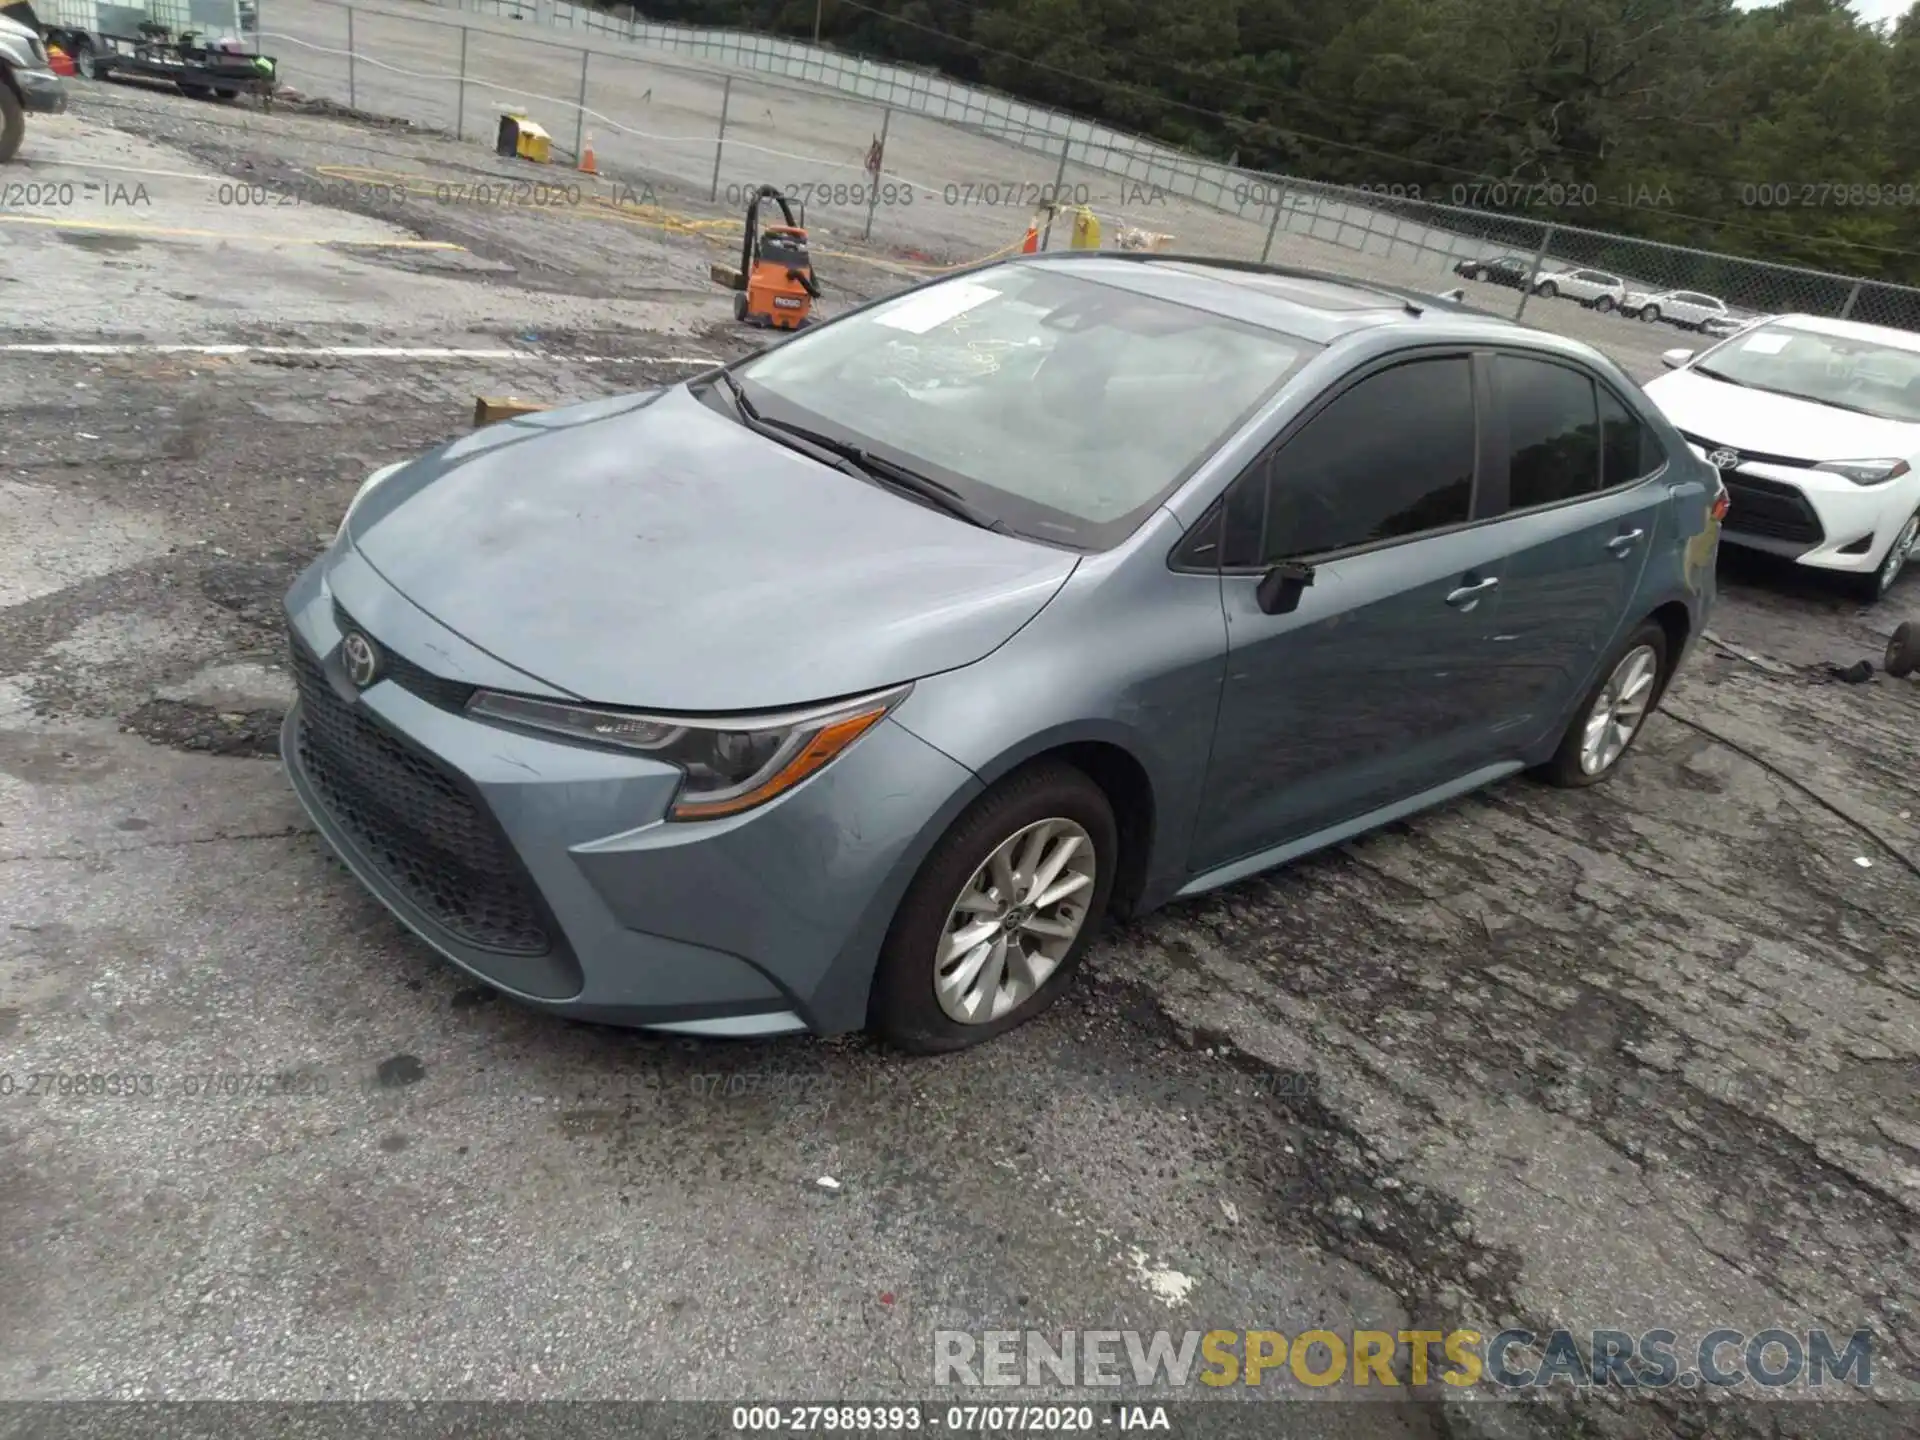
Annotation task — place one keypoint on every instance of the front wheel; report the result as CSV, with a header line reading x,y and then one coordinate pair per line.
x,y
13,123
1000,914
1547,290
1650,313
1873,588
1611,716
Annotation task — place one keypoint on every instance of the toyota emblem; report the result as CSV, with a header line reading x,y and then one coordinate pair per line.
x,y
361,659
1724,459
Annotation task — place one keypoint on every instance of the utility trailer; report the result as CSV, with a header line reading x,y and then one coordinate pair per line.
x,y
194,45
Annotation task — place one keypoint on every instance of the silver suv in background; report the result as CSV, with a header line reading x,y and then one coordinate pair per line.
x,y
1593,288
1689,309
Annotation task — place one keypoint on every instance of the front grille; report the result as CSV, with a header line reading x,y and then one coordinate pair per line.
x,y
413,821
434,689
1745,455
1768,508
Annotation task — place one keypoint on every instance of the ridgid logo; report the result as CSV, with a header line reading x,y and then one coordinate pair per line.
x,y
1724,1359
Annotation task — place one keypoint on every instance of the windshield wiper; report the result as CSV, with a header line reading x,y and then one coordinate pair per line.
x,y
1788,394
853,460
1727,379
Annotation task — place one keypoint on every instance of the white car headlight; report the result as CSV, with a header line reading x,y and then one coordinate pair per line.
x,y
1866,472
366,488
730,765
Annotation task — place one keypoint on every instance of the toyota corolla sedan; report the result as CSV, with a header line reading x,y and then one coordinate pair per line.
x,y
855,683
1814,425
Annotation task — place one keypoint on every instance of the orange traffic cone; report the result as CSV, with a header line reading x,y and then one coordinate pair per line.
x,y
587,163
1031,244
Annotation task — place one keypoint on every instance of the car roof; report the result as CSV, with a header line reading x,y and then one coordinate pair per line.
x,y
1309,305
1851,330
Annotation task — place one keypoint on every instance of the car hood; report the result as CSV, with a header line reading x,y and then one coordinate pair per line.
x,y
648,552
1770,424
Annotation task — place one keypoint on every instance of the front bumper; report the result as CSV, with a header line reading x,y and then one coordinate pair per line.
x,y
42,91
1813,517
545,868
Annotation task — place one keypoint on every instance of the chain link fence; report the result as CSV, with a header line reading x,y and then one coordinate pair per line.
x,y
962,170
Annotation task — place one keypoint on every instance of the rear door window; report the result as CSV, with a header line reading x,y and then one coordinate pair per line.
x,y
1553,431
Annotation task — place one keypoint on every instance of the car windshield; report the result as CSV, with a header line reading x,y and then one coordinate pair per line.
x,y
1868,376
1063,408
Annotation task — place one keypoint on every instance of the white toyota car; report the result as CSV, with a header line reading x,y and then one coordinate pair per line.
x,y
1814,425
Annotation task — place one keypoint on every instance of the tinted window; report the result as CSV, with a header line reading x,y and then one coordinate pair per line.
x,y
1392,456
1628,449
1553,431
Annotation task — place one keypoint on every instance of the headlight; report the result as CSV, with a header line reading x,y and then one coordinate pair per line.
x,y
366,488
1866,472
730,765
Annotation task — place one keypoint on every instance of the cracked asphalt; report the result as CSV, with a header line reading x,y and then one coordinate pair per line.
x,y
1638,1057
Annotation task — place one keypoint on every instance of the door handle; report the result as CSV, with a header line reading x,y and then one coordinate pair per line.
x,y
1467,595
1621,544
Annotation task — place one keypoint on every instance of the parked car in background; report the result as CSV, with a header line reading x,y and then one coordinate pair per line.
x,y
789,697
1731,324
27,80
1506,269
1814,425
1689,309
1593,288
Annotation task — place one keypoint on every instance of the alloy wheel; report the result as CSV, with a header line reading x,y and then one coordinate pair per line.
x,y
1900,553
1619,709
1014,921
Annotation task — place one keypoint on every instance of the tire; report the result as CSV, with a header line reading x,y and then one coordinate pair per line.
x,y
1572,767
13,122
225,94
84,63
1546,290
1649,313
906,1009
1903,650
1872,589
1477,273
1604,304
196,92
739,307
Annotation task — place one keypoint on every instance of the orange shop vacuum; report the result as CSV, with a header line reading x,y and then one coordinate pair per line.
x,y
775,282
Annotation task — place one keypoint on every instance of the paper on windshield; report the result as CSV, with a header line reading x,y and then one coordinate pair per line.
x,y
920,313
1767,344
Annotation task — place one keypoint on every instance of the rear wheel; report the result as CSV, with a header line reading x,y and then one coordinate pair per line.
x,y
13,122
1604,304
1479,272
196,92
1000,914
85,64
1611,717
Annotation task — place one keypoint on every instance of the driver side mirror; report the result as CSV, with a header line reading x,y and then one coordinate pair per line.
x,y
1280,587
1674,359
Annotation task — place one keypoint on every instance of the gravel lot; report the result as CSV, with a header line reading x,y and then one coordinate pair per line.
x,y
1638,1057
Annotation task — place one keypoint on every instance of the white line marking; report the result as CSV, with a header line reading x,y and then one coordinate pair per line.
x,y
355,352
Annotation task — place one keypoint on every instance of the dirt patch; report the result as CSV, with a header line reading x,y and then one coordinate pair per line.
x,y
253,734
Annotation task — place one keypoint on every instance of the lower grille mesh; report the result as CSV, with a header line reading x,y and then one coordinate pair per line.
x,y
414,821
